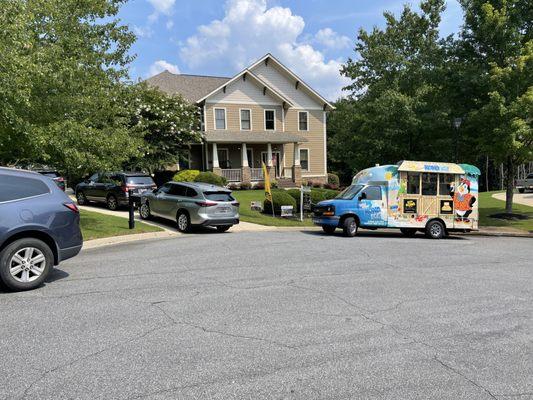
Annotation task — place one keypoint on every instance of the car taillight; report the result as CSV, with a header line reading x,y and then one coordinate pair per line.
x,y
72,207
236,204
60,179
126,188
206,203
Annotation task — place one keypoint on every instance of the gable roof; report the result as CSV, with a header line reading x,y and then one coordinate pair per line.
x,y
191,87
258,80
315,94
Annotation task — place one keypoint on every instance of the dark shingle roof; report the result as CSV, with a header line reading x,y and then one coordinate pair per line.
x,y
191,87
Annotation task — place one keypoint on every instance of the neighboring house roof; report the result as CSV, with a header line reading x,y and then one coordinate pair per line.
x,y
191,87
257,137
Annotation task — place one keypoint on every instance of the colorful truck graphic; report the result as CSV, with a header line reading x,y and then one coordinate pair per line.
x,y
412,196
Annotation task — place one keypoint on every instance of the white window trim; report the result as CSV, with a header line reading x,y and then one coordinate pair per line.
x,y
265,120
240,118
303,130
308,159
215,118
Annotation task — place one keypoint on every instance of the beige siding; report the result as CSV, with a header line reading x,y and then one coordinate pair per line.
x,y
233,116
243,91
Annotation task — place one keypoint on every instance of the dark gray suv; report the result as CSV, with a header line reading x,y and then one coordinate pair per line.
x,y
39,228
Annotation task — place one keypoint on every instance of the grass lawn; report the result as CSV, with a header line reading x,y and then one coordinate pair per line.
x,y
488,205
245,197
96,225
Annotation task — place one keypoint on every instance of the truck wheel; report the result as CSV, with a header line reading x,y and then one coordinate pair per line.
x,y
329,229
349,227
435,230
521,190
409,232
25,264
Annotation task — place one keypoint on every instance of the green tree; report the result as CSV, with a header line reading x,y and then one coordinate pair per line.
x,y
497,49
397,83
166,123
62,63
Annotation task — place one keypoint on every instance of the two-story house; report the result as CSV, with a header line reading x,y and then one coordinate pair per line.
x,y
265,113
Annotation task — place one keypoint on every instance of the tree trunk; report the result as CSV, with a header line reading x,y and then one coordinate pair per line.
x,y
509,184
487,174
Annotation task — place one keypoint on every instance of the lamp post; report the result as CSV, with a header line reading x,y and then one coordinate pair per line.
x,y
457,124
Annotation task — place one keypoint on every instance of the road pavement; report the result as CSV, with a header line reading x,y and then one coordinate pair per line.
x,y
277,315
519,198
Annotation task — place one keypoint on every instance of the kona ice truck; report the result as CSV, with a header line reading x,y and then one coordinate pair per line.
x,y
430,197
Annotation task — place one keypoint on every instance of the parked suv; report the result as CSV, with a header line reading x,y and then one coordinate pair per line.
x,y
191,204
39,228
55,176
112,188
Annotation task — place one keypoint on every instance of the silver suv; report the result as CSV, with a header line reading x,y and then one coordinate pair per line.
x,y
192,204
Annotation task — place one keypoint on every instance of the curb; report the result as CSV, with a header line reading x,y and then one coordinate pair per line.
x,y
112,240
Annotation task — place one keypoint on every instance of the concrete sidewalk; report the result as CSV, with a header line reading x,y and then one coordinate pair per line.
x,y
525,199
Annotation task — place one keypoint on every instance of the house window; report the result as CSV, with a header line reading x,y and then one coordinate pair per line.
x,y
220,118
302,121
413,183
304,159
270,120
246,120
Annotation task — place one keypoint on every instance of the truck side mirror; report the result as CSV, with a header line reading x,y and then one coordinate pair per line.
x,y
362,196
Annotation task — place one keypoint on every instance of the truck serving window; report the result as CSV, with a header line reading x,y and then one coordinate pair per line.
x,y
413,183
349,193
445,181
429,184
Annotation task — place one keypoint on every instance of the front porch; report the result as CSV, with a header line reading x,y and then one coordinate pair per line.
x,y
242,162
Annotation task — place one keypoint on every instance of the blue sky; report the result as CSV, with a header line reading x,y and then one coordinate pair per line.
x,y
221,37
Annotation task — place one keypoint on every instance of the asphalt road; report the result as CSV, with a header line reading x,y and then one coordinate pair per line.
x,y
277,315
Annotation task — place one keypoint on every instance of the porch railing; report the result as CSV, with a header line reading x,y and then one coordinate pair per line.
x,y
232,175
257,174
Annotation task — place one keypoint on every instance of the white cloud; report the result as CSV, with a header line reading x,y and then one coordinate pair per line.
x,y
142,32
248,30
331,39
169,24
162,65
164,7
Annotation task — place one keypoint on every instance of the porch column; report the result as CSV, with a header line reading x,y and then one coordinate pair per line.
x,y
216,167
246,173
296,168
270,164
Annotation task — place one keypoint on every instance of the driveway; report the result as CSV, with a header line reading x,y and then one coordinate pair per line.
x,y
277,315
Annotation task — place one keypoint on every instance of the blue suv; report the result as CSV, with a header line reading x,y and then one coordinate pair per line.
x,y
39,228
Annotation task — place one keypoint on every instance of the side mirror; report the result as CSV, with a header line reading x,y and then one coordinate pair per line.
x,y
362,196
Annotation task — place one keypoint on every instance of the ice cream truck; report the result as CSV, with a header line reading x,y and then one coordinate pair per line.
x,y
431,197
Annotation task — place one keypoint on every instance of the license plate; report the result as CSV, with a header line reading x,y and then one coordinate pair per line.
x,y
223,210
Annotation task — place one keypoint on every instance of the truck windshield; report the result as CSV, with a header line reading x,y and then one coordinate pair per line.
x,y
350,192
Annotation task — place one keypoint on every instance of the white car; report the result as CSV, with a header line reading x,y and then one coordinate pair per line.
x,y
525,184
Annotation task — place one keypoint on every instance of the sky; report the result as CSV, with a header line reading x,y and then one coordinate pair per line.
x,y
222,37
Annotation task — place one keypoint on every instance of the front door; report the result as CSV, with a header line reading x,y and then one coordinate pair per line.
x,y
373,206
276,161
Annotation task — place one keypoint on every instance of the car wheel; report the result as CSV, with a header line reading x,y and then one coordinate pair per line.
x,y
184,222
223,228
349,227
521,190
329,229
409,232
112,202
144,211
81,199
435,230
25,264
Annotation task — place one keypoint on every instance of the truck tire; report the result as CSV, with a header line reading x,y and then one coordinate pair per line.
x,y
435,230
349,227
329,229
521,190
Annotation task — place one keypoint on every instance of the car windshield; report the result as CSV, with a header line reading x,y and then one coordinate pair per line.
x,y
218,196
139,180
350,192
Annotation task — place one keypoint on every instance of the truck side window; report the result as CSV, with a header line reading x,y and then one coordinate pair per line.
x,y
413,183
373,193
429,184
445,181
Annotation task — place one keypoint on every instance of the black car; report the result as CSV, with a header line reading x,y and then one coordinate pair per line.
x,y
39,228
112,188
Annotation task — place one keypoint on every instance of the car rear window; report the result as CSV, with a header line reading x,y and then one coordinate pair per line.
x,y
139,180
218,196
50,174
18,187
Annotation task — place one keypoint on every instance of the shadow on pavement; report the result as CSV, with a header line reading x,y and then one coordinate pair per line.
x,y
378,233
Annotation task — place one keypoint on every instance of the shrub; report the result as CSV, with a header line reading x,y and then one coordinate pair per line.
x,y
315,183
188,175
333,179
331,186
209,177
273,184
318,195
259,185
246,186
280,198
233,186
